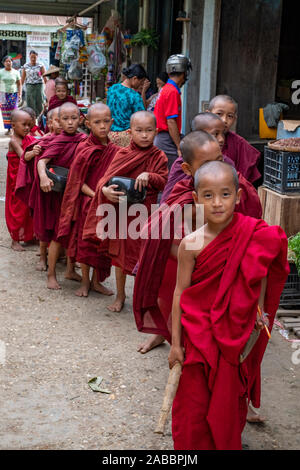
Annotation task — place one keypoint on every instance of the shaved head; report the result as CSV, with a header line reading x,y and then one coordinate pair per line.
x,y
214,169
19,114
204,120
219,98
142,116
52,113
101,107
192,141
68,107
30,111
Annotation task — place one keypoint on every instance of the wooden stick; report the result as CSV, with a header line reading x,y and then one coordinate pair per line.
x,y
170,392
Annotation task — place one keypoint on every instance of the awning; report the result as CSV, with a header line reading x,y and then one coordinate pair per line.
x,y
48,7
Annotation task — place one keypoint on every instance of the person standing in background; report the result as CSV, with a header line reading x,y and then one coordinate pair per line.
x,y
33,75
51,74
168,108
124,100
10,91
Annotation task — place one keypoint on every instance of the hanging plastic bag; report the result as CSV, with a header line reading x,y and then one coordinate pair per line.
x,y
97,60
71,51
75,71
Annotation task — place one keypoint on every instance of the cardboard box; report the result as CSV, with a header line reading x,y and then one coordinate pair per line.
x,y
288,128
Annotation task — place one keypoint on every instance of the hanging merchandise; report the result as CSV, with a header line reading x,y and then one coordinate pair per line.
x,y
75,71
83,55
96,61
71,51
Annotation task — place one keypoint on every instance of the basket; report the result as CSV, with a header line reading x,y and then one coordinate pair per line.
x,y
290,296
282,171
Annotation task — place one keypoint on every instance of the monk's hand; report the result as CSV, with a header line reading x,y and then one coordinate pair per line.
x,y
111,194
46,184
36,150
261,321
142,181
176,354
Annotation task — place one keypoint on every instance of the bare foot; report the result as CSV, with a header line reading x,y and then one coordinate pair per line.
x,y
52,283
151,343
253,416
73,276
16,246
98,287
41,265
83,290
117,305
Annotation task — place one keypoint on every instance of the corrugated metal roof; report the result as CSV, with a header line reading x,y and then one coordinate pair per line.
x,y
37,20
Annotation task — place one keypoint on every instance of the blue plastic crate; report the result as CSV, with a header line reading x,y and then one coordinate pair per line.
x,y
282,171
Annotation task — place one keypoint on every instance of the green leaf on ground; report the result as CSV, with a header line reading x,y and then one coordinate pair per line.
x,y
95,383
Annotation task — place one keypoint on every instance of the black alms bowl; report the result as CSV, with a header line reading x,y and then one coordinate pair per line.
x,y
126,185
58,175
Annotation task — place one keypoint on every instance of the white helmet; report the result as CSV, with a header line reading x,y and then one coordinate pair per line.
x,y
178,63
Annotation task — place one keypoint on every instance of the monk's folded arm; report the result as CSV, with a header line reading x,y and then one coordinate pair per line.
x,y
41,167
173,131
85,189
157,181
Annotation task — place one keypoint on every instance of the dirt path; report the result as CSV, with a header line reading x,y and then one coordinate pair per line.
x,y
55,342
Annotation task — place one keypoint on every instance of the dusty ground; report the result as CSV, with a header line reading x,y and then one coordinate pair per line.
x,y
56,342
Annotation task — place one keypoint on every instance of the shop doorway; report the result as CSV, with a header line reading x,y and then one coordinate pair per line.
x,y
289,57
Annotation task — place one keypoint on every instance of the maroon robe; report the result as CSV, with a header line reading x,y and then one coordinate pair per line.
x,y
90,163
17,216
219,311
130,162
46,206
156,274
25,176
244,155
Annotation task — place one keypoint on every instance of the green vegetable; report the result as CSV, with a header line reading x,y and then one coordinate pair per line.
x,y
294,250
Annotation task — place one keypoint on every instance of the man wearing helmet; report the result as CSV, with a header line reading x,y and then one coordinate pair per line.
x,y
168,110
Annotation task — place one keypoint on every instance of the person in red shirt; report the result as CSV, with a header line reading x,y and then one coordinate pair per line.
x,y
168,110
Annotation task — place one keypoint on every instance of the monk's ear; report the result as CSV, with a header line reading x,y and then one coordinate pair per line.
x,y
238,195
87,123
156,131
195,197
81,119
186,168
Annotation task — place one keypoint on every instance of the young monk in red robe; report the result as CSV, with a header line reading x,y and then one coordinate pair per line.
x,y
145,163
45,203
160,282
25,176
61,94
92,158
34,129
226,270
207,122
18,219
244,155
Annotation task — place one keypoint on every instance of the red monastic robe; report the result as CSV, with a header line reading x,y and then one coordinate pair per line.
x,y
46,206
244,155
35,129
156,275
129,162
55,102
219,314
25,176
90,164
18,219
